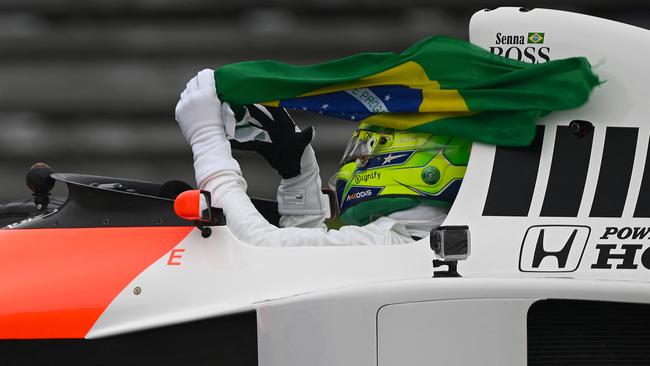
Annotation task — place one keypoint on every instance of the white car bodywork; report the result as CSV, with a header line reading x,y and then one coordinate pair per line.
x,y
380,305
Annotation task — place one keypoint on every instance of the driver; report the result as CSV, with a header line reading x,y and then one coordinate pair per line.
x,y
393,186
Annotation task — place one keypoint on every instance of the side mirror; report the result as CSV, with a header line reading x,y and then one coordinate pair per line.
x,y
196,205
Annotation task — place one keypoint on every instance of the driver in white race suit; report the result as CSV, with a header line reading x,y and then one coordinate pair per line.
x,y
409,202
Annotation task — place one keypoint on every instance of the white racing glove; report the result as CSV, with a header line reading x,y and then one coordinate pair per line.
x,y
199,116
288,150
301,195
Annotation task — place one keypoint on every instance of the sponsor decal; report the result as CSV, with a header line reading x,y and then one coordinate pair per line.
x,y
553,248
623,248
356,194
523,47
560,248
366,176
294,197
536,38
624,233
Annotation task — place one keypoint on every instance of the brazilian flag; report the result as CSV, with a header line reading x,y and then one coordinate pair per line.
x,y
439,85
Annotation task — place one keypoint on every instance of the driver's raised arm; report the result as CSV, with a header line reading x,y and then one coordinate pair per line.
x,y
289,151
199,115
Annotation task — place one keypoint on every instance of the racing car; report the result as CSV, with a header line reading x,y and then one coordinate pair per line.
x,y
543,259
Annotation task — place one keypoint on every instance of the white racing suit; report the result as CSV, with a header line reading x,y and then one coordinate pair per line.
x,y
199,116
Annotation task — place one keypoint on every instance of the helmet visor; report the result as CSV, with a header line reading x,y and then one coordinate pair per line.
x,y
361,145
365,144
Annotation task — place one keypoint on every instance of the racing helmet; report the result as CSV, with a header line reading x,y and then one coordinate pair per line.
x,y
385,170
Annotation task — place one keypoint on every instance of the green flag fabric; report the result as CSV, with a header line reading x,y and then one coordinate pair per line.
x,y
439,85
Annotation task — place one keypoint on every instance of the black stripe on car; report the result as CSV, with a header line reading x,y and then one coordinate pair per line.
x,y
568,174
643,202
512,183
615,172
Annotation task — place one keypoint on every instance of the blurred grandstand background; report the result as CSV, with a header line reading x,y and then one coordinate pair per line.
x,y
90,86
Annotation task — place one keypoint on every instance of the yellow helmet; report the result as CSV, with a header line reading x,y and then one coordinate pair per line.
x,y
385,170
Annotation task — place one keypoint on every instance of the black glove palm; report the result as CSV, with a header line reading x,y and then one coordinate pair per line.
x,y
287,145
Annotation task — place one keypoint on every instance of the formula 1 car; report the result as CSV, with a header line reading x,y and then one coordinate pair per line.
x,y
557,274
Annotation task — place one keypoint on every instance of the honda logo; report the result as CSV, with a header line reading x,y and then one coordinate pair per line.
x,y
553,248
